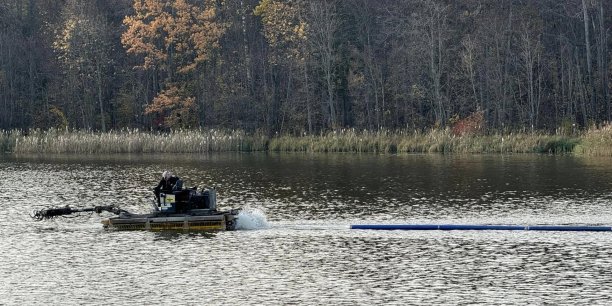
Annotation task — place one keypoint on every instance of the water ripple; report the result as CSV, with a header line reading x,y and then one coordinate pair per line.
x,y
302,250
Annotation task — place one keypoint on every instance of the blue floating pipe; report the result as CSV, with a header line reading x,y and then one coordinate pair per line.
x,y
451,227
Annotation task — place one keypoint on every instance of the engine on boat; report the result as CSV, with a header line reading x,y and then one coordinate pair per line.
x,y
188,199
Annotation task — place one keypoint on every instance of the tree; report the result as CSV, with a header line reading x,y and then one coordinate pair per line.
x,y
175,108
174,38
531,60
298,66
84,48
368,73
324,23
468,64
436,31
286,31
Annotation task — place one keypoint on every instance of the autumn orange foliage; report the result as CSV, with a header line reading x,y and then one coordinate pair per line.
x,y
284,28
173,37
471,125
165,31
177,110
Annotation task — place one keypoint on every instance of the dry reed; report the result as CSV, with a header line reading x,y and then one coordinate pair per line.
x,y
596,142
132,141
593,142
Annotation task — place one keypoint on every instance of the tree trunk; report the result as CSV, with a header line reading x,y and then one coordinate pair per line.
x,y
307,92
587,43
603,61
99,81
245,42
324,26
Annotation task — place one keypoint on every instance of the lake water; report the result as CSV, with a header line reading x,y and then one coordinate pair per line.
x,y
296,246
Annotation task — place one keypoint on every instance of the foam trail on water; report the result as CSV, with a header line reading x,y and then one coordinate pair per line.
x,y
251,218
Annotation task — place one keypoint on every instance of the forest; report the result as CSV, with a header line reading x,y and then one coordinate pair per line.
x,y
298,67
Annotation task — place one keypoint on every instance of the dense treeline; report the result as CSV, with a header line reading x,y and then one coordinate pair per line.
x,y
298,66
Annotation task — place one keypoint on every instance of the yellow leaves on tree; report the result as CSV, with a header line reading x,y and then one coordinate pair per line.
x,y
144,35
173,37
178,110
53,117
172,34
284,27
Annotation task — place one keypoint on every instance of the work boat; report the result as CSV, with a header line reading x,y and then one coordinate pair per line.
x,y
184,210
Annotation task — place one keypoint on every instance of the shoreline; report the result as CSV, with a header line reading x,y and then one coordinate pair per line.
x,y
594,142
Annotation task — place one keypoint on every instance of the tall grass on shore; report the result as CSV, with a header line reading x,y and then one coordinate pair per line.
x,y
130,141
596,142
8,140
593,142
434,141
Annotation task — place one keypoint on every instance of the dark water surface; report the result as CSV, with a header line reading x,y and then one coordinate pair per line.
x,y
307,254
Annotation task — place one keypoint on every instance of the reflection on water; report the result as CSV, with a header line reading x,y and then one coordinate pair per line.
x,y
305,253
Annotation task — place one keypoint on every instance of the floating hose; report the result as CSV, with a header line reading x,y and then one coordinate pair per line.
x,y
451,227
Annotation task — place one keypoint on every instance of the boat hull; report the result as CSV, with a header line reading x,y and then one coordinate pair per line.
x,y
217,222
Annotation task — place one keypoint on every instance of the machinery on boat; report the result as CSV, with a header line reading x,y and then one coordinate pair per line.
x,y
186,210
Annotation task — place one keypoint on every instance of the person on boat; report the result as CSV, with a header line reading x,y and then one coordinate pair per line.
x,y
168,183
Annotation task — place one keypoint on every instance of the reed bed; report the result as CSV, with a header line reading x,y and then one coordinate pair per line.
x,y
434,141
594,142
132,141
7,140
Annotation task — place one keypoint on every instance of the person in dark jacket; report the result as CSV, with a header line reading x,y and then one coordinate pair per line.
x,y
168,184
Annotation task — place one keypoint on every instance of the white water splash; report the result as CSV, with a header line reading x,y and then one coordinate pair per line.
x,y
251,218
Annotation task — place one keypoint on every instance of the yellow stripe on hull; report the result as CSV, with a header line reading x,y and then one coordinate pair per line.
x,y
220,224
